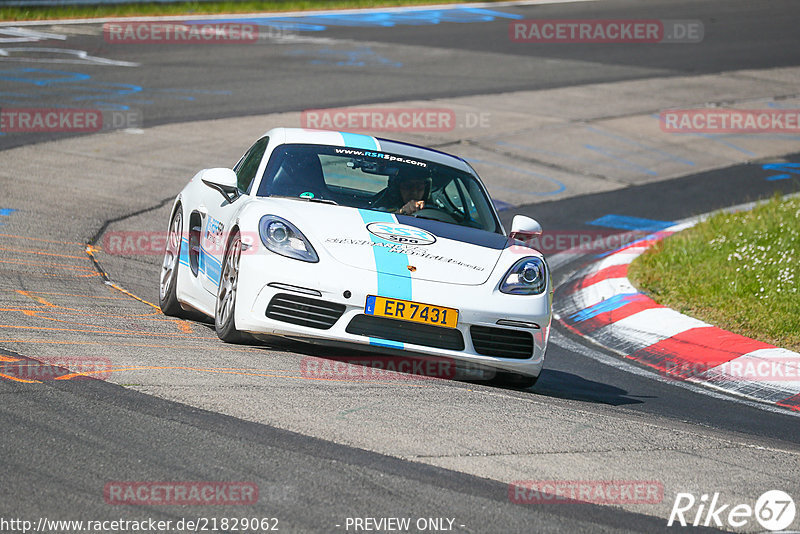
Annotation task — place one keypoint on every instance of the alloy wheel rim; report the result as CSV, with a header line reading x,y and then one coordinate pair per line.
x,y
228,283
171,254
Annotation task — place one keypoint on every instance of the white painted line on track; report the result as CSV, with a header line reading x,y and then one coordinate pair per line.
x,y
75,57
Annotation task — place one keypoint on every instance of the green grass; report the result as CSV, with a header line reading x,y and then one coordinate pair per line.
x,y
736,271
195,8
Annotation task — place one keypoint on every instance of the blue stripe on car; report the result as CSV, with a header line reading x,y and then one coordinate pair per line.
x,y
184,254
212,266
385,343
207,264
394,278
365,142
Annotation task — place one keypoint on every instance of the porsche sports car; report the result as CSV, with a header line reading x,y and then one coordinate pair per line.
x,y
310,237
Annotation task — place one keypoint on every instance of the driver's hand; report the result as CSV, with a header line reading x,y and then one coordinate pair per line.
x,y
412,206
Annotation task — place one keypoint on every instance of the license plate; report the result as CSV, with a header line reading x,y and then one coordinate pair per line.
x,y
407,310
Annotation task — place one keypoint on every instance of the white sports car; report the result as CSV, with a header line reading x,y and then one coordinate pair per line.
x,y
334,238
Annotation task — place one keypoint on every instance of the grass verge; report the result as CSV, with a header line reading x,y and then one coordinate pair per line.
x,y
195,8
737,271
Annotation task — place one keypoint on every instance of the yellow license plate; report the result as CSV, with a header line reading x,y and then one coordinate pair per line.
x,y
407,310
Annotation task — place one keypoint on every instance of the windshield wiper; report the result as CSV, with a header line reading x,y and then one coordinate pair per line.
x,y
321,200
309,199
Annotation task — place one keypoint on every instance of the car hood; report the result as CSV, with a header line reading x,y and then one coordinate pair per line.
x,y
398,245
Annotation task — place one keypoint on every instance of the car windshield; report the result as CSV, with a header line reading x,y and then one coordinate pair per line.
x,y
375,180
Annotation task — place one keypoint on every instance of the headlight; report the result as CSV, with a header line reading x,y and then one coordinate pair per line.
x,y
282,237
527,277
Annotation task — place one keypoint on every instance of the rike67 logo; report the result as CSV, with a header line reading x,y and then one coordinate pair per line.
x,y
774,510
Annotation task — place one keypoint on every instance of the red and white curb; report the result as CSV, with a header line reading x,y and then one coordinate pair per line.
x,y
598,302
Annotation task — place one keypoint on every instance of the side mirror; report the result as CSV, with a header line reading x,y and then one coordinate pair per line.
x,y
524,228
223,180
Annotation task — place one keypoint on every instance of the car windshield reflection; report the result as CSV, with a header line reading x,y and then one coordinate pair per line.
x,y
378,181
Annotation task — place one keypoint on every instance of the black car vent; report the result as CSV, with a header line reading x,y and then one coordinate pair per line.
x,y
406,332
502,342
304,311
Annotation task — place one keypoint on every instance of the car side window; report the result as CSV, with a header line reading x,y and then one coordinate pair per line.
x,y
248,165
454,196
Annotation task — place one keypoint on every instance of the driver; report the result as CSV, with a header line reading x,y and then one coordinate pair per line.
x,y
405,194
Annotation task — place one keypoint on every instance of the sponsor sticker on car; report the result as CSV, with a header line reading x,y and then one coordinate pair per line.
x,y
399,233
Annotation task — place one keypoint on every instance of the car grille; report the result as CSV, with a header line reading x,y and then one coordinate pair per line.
x,y
304,311
502,342
407,332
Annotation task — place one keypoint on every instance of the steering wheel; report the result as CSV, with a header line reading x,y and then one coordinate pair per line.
x,y
435,214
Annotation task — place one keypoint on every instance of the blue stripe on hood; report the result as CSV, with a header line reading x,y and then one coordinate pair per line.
x,y
365,142
394,278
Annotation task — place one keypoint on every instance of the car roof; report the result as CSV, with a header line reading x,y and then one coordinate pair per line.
x,y
366,142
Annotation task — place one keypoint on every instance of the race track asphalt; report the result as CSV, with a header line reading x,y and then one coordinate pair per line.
x,y
180,405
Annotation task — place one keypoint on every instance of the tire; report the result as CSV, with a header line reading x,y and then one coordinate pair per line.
x,y
225,309
513,380
168,281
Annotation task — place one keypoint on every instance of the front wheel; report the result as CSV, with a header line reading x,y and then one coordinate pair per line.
x,y
168,282
225,309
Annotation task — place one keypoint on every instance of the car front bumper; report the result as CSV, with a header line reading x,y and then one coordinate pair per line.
x,y
263,276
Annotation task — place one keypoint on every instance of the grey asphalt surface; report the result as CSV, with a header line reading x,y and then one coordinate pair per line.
x,y
87,433
366,64
322,452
